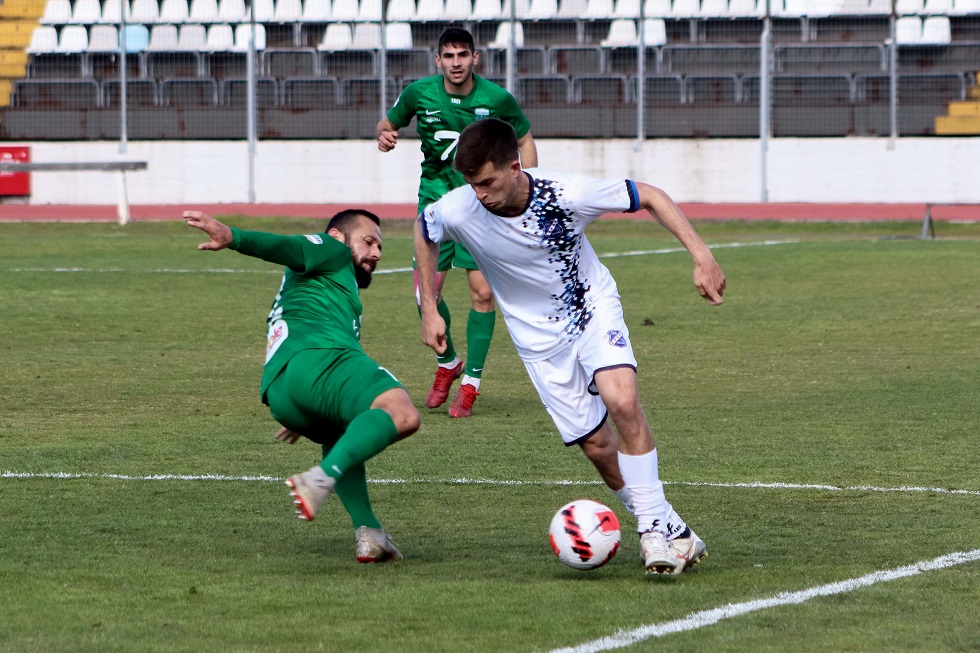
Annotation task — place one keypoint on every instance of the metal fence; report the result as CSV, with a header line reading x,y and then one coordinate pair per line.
x,y
288,69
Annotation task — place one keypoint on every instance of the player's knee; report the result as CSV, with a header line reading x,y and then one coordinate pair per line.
x,y
407,422
624,406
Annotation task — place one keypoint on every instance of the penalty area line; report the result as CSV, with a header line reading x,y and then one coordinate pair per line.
x,y
756,485
711,617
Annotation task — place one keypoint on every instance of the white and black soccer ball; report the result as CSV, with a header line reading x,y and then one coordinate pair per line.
x,y
585,534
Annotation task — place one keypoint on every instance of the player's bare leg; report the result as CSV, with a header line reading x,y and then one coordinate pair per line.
x,y
450,367
602,450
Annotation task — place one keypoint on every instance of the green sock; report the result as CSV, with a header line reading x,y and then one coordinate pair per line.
x,y
366,436
352,491
479,333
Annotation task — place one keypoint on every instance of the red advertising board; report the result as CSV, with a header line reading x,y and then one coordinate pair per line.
x,y
15,183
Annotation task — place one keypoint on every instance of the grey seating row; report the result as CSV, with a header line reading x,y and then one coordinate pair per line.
x,y
532,91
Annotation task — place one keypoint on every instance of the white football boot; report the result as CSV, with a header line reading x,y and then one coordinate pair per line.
x,y
688,550
657,556
374,545
308,491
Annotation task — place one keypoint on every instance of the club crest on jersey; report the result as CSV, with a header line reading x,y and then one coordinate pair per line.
x,y
553,228
316,240
481,114
616,338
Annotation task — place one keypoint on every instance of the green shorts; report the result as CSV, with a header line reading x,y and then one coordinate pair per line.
x,y
453,255
320,391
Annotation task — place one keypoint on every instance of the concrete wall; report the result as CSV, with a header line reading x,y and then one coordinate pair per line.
x,y
939,170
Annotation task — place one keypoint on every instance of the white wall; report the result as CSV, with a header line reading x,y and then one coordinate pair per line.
x,y
939,170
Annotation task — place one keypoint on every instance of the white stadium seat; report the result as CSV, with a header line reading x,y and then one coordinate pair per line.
x,y
265,11
400,10
144,11
622,33
112,12
908,7
86,12
174,11
369,11
936,30
599,10
73,39
288,11
192,38
221,38
203,11
242,33
502,39
366,36
163,38
336,37
654,32
457,10
344,10
398,36
686,9
44,40
938,8
908,30
627,9
656,8
714,8
572,9
430,10
230,11
316,11
543,9
56,12
486,10
103,38
523,8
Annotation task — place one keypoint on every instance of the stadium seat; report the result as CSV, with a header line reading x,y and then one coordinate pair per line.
x,y
908,30
400,10
103,38
663,90
909,7
745,8
316,11
366,36
221,38
879,7
572,9
429,10
600,90
599,10
56,94
192,38
265,11
288,11
938,8
627,9
622,33
365,92
398,36
685,9
369,11
73,39
234,93
544,90
711,90
656,8
936,31
336,37
137,38
189,93
311,93
56,12
344,10
140,93
112,12
714,8
574,60
829,58
86,12
243,33
144,11
502,39
522,9
654,32
542,9
457,10
163,38
230,11
44,40
854,8
965,7
283,63
174,11
711,59
486,10
203,11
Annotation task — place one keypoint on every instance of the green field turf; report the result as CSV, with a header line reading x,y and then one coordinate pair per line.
x,y
842,357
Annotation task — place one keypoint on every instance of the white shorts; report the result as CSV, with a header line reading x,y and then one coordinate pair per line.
x,y
566,381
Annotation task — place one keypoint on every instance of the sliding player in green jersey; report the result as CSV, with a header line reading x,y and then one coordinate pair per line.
x,y
443,106
317,380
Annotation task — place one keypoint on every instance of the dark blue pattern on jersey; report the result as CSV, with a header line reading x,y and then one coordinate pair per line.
x,y
552,223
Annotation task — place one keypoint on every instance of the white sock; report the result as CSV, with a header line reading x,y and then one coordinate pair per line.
x,y
623,494
473,381
652,510
449,366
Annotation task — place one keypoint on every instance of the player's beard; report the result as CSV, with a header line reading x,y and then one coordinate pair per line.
x,y
362,276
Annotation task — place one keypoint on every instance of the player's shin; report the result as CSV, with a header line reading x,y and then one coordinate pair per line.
x,y
367,435
652,510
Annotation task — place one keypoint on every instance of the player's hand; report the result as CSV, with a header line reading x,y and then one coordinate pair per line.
x,y
710,282
387,141
220,234
434,333
287,436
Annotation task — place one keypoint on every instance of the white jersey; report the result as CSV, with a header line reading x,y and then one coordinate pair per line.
x,y
542,269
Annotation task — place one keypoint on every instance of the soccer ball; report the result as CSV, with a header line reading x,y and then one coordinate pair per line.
x,y
585,534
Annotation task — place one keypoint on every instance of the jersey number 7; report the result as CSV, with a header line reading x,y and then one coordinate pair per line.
x,y
445,135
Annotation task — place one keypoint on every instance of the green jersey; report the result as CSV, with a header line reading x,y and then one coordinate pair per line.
x,y
318,305
440,117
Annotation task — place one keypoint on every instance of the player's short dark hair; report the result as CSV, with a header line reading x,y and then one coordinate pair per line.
x,y
346,219
489,140
456,36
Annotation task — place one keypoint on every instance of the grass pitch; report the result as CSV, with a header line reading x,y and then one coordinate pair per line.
x,y
841,357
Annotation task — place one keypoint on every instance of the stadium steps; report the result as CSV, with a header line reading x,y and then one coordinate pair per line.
x,y
18,18
962,117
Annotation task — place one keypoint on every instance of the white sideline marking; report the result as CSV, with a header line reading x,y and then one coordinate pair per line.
x,y
704,618
673,250
485,481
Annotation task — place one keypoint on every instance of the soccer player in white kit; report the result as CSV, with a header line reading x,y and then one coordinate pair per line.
x,y
526,231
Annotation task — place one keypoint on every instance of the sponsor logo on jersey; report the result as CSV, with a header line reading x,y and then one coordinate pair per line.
x,y
316,240
278,332
456,100
481,114
616,338
429,112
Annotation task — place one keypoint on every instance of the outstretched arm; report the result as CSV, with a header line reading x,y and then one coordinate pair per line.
x,y
708,277
220,233
426,258
528,150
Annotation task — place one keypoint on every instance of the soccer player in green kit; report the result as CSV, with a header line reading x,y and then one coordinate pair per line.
x,y
443,105
317,380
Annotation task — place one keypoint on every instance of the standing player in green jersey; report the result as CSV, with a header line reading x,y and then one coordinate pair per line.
x,y
317,380
443,106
